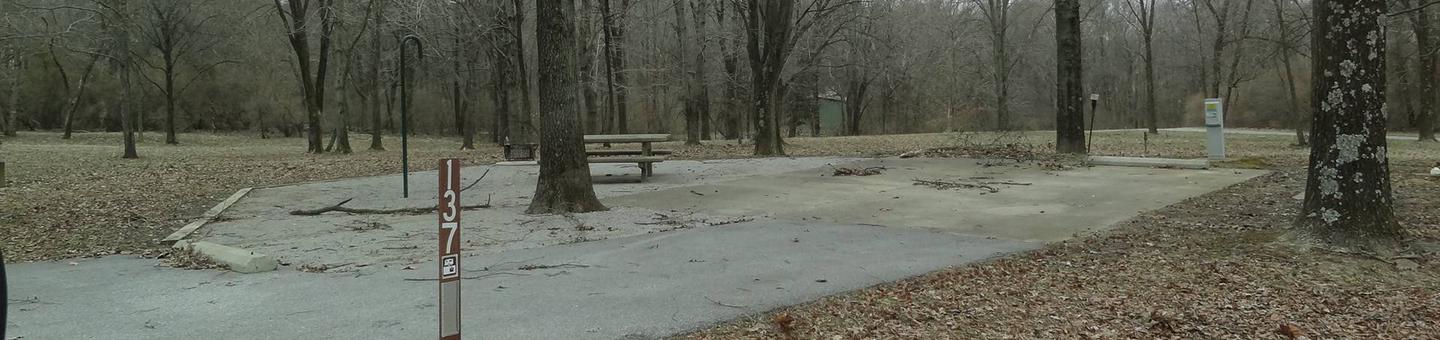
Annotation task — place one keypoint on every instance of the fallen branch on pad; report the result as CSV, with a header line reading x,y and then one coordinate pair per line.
x,y
340,207
942,185
871,171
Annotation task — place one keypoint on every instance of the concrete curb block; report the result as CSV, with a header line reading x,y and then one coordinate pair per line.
x,y
209,215
1190,164
238,260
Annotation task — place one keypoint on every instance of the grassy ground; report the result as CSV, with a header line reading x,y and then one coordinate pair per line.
x,y
1205,268
78,198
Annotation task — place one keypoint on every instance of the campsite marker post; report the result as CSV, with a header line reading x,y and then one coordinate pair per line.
x,y
449,211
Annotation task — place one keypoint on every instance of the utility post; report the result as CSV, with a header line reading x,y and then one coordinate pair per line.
x,y
1215,128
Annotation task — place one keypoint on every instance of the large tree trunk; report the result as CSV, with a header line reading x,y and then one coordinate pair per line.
x,y
1069,79
769,29
564,185
1348,201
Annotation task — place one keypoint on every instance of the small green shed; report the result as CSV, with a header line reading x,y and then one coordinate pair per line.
x,y
832,114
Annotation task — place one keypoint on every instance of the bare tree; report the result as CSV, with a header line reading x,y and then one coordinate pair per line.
x,y
500,38
1425,48
79,92
564,185
357,78
733,117
997,16
296,20
117,21
614,22
859,71
1142,15
702,71
176,30
772,30
697,97
522,71
588,47
1348,200
1287,45
769,26
17,69
375,90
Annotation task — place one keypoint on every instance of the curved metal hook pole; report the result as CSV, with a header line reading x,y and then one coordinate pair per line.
x,y
405,109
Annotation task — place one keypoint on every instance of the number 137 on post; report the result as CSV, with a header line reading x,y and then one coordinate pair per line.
x,y
449,211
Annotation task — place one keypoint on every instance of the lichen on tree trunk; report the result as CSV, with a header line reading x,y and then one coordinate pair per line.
x,y
1348,200
564,185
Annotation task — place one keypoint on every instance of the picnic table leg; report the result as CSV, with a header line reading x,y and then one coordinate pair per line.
x,y
646,169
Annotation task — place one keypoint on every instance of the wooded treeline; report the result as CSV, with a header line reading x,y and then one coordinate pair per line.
x,y
697,68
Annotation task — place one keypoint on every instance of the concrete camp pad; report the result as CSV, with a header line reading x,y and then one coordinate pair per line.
x,y
699,244
262,222
1039,205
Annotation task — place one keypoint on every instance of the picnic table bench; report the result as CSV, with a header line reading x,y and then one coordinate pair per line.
x,y
646,157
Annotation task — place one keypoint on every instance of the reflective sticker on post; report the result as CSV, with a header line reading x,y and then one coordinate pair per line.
x,y
449,244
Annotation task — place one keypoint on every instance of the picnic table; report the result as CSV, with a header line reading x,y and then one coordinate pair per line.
x,y
646,157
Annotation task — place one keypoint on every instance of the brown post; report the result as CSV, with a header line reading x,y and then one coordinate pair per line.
x,y
449,211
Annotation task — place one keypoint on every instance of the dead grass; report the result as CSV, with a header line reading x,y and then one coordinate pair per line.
x,y
78,198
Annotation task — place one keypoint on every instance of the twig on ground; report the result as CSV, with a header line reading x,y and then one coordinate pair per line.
x,y
477,181
467,187
1005,183
358,211
870,171
476,277
552,266
729,221
943,185
724,304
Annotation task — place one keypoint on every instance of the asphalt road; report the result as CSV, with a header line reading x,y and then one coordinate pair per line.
x,y
641,287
